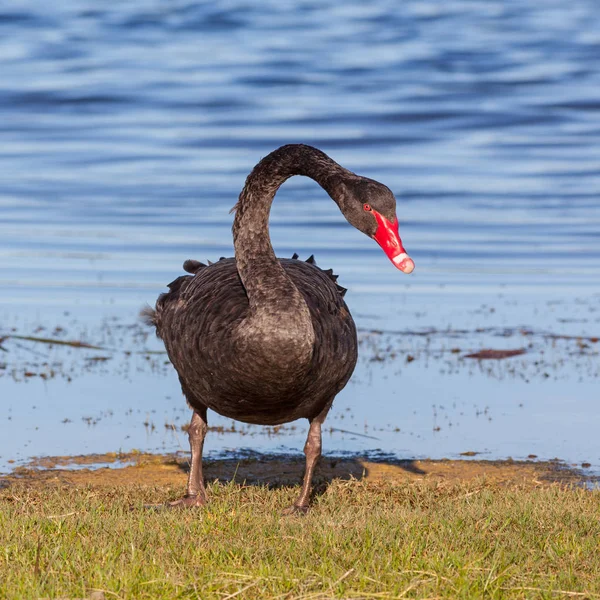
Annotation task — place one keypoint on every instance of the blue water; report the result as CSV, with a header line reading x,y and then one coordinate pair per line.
x,y
127,130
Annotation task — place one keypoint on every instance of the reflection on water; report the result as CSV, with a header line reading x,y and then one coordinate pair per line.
x,y
128,129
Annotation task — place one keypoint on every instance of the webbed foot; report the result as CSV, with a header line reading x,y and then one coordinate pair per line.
x,y
188,502
295,510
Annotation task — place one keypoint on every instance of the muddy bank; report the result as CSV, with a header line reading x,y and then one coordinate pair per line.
x,y
132,469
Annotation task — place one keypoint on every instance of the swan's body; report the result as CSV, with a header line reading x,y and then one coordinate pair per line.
x,y
266,340
199,320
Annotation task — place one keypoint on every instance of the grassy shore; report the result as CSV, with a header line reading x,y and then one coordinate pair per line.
x,y
411,538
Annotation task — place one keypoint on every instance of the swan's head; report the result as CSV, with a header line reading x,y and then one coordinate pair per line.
x,y
371,207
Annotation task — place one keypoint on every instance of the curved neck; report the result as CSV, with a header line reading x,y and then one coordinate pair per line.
x,y
262,275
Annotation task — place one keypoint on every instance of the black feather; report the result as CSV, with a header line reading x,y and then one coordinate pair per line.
x,y
176,284
192,266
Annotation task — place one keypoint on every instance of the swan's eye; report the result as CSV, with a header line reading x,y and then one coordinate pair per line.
x,y
367,207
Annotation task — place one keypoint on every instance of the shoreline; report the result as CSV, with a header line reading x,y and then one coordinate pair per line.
x,y
170,470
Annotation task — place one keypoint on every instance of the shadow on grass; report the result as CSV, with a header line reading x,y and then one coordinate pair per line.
x,y
276,471
284,470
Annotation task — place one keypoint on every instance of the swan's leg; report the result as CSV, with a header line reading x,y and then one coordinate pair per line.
x,y
312,450
196,492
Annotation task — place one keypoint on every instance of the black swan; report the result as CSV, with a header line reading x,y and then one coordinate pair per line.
x,y
269,340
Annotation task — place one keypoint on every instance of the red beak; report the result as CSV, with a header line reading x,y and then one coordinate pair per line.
x,y
388,238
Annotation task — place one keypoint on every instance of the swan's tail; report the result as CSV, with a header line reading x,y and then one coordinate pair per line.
x,y
148,316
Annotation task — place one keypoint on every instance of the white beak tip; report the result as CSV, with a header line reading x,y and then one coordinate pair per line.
x,y
404,262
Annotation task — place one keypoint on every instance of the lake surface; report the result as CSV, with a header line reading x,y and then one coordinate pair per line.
x,y
127,131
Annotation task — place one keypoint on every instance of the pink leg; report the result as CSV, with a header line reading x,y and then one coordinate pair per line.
x,y
196,492
312,450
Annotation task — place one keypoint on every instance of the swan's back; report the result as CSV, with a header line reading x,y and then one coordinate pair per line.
x,y
196,319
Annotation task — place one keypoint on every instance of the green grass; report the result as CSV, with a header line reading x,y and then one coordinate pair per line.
x,y
361,540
